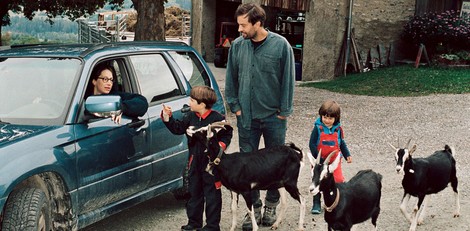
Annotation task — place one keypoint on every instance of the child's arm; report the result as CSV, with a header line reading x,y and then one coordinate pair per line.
x,y
177,127
344,148
345,151
225,136
313,143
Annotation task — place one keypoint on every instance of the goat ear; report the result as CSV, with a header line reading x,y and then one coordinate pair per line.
x,y
413,149
190,131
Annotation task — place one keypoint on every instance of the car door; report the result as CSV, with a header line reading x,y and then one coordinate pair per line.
x,y
112,158
160,85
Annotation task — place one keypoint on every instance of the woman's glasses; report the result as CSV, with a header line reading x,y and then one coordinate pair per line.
x,y
105,80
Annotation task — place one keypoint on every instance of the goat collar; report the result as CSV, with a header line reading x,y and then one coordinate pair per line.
x,y
219,155
335,203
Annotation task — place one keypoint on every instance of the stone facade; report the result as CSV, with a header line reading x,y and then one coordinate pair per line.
x,y
374,22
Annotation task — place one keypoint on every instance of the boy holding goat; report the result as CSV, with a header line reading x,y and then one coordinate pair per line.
x,y
204,188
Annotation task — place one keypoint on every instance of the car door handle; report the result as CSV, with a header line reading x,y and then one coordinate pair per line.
x,y
185,108
136,123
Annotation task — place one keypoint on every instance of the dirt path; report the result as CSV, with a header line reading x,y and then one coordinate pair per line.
x,y
369,124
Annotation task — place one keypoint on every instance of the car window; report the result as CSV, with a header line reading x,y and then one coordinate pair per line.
x,y
156,79
192,68
38,89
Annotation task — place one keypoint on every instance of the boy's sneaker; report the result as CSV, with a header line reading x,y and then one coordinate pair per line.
x,y
269,216
189,227
247,225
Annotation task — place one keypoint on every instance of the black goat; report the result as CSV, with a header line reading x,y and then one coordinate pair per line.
x,y
265,169
351,202
423,176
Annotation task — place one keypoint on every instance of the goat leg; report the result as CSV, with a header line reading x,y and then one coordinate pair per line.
x,y
422,211
283,208
457,205
234,206
404,203
253,219
302,214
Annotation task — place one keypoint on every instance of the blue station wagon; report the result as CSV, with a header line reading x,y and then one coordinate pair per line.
x,y
64,164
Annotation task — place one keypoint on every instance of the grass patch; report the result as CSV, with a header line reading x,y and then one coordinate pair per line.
x,y
402,80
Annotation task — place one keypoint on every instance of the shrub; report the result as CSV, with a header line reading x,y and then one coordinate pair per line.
x,y
443,32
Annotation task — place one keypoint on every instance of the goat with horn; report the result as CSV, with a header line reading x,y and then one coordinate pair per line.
x,y
424,176
272,168
348,203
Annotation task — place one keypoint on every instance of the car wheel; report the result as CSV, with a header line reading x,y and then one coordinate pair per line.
x,y
27,209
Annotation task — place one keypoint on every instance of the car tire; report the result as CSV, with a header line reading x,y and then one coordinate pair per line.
x,y
27,209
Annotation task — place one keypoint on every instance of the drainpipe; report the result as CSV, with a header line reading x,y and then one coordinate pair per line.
x,y
348,40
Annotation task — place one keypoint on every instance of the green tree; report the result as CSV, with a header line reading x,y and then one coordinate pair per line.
x,y
149,26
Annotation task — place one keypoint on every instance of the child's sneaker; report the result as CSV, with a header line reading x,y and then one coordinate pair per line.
x,y
316,208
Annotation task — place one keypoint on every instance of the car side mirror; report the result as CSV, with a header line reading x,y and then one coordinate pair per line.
x,y
103,106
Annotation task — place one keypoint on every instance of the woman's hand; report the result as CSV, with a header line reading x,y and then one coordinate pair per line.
x,y
116,118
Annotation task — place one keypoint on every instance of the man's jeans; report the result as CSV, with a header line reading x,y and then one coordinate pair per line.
x,y
273,131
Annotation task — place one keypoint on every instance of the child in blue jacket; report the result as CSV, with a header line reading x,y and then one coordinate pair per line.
x,y
327,136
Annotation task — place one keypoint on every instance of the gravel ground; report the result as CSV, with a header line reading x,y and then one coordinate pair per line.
x,y
369,124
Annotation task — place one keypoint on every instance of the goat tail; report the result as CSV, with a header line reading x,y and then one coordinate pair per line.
x,y
300,154
449,149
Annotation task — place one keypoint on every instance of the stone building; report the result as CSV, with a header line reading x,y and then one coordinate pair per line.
x,y
375,23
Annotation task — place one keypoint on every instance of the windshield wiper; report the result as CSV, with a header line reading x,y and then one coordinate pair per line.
x,y
1,122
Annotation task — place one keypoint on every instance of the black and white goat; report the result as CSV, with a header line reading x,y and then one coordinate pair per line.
x,y
348,203
265,169
423,176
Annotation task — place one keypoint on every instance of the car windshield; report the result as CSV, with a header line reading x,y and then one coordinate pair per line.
x,y
36,91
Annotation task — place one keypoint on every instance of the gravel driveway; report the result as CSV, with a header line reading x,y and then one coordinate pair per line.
x,y
369,124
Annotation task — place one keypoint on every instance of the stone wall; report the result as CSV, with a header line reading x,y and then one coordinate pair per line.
x,y
374,22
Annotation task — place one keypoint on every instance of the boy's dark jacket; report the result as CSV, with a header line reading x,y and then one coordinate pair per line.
x,y
197,148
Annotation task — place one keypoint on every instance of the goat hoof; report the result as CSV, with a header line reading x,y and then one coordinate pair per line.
x,y
456,215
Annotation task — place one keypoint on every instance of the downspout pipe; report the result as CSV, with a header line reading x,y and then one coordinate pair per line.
x,y
348,39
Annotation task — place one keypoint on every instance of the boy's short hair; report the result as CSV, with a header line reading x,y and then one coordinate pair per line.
x,y
331,109
204,94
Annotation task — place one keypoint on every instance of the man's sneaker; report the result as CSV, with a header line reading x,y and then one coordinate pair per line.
x,y
269,216
247,225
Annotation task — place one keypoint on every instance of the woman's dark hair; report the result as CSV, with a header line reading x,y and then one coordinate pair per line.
x,y
101,67
253,11
204,94
96,73
331,109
